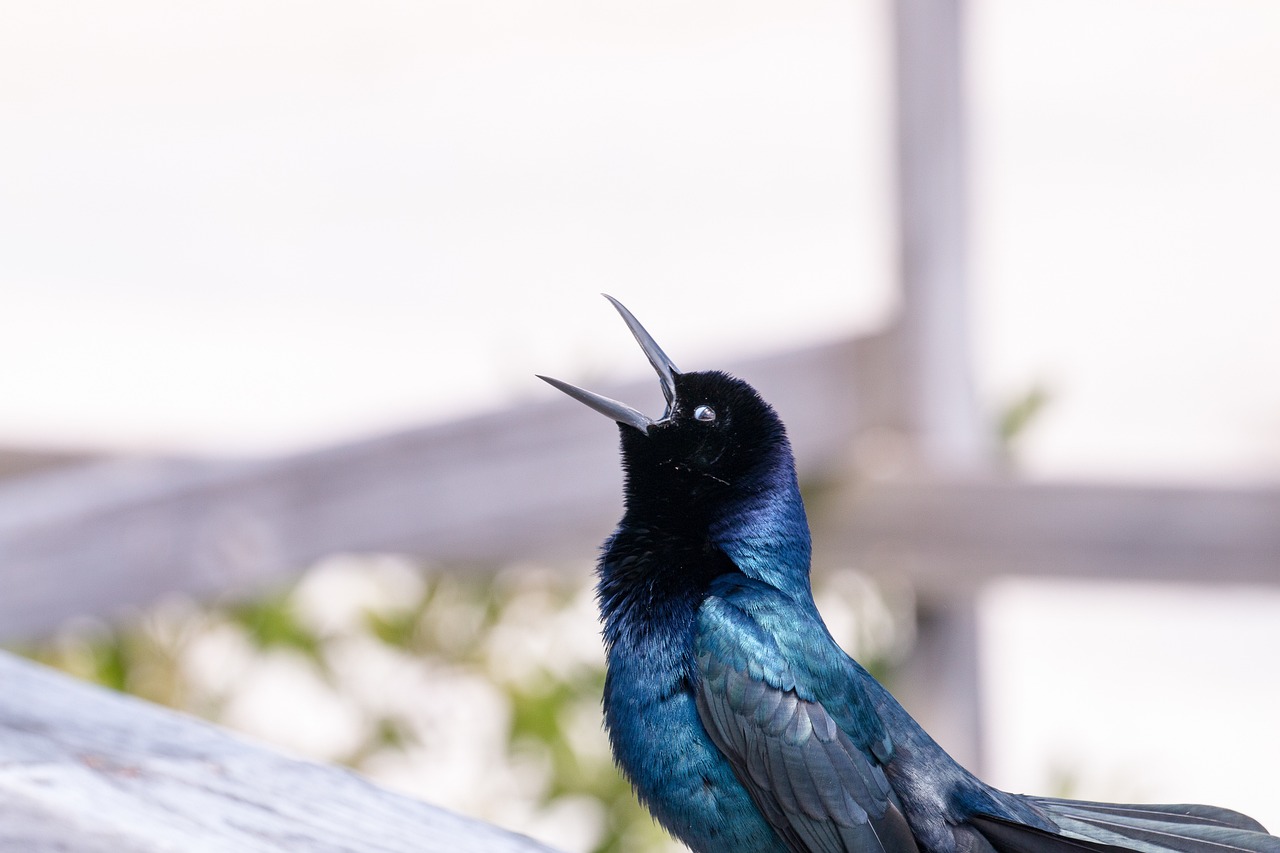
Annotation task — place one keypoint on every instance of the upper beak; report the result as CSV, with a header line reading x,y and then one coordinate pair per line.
x,y
621,412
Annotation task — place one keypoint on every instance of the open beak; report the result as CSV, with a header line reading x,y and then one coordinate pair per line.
x,y
621,412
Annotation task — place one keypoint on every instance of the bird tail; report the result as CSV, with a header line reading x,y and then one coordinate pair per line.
x,y
1085,827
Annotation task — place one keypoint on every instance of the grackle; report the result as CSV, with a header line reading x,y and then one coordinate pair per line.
x,y
741,724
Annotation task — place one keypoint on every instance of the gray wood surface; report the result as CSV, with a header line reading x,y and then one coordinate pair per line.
x,y
937,405
87,770
950,535
937,408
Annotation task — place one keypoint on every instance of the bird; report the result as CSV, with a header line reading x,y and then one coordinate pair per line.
x,y
740,723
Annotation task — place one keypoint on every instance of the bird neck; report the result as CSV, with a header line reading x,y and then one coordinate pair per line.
x,y
764,529
652,580
670,545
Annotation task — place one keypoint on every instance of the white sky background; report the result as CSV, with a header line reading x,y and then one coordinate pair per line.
x,y
244,226
247,227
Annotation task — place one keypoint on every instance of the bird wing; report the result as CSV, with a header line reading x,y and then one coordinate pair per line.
x,y
807,759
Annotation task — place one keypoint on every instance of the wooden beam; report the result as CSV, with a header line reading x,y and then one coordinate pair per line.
x,y
86,769
945,535
939,685
16,462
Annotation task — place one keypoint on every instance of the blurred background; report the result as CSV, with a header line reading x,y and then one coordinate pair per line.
x,y
239,233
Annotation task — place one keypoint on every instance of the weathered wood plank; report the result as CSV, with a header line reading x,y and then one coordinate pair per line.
x,y
85,769
948,535
937,407
18,463
936,403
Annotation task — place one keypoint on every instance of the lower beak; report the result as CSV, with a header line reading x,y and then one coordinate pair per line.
x,y
621,412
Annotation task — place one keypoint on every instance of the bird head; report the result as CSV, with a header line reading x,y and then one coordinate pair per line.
x,y
717,435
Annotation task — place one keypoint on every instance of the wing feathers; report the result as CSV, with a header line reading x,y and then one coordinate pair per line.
x,y
814,786
806,768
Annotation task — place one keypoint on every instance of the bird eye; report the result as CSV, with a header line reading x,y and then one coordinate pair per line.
x,y
704,413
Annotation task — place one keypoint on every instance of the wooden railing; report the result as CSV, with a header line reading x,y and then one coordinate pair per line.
x,y
91,771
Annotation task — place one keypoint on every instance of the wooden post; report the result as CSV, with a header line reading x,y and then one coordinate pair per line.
x,y
939,687
937,411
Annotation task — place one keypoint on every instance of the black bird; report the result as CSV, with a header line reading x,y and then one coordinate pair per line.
x,y
741,724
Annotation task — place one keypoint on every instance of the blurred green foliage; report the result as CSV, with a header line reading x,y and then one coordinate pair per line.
x,y
1017,416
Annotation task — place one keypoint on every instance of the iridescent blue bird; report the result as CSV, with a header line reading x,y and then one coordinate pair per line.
x,y
741,724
